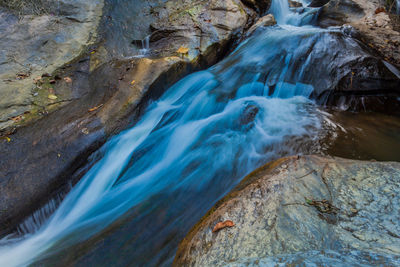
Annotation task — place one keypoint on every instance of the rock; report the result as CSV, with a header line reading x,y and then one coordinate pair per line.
x,y
75,133
198,26
261,6
66,127
38,44
373,29
317,211
338,12
381,19
353,77
318,3
265,21
294,4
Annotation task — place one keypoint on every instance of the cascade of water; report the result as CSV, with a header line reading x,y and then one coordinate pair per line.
x,y
293,16
145,46
398,7
214,124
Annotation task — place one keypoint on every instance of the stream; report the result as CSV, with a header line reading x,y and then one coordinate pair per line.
x,y
151,183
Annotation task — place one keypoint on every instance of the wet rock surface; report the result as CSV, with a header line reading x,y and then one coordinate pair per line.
x,y
300,210
42,157
353,77
376,29
265,21
111,80
101,91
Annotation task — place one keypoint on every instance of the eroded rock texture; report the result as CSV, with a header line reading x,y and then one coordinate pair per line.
x,y
303,210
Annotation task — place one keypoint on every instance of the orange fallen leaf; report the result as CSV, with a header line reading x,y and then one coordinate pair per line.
x,y
67,79
37,79
222,225
17,118
95,108
133,82
182,50
379,10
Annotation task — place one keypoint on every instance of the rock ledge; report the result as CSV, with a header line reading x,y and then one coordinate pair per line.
x,y
303,209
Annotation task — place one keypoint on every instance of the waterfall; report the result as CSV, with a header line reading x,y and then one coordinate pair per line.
x,y
145,46
285,15
200,138
398,7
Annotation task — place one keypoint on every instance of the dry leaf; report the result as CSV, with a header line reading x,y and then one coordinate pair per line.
x,y
182,50
133,82
17,118
379,10
222,225
8,139
353,210
52,97
67,79
22,75
95,108
85,131
37,79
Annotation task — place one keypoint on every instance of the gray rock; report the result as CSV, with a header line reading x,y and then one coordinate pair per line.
x,y
198,26
37,44
377,31
265,21
303,210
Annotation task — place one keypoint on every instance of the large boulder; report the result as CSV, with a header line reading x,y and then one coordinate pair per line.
x,y
303,210
338,12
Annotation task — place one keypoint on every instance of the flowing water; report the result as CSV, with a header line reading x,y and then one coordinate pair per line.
x,y
192,146
398,6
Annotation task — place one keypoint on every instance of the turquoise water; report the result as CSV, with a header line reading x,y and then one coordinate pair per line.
x,y
192,146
